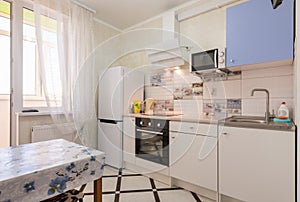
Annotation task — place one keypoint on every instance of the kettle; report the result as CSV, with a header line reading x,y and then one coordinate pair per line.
x,y
149,105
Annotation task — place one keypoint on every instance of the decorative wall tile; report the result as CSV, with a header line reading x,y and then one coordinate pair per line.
x,y
155,80
197,89
163,106
178,92
214,107
234,106
222,108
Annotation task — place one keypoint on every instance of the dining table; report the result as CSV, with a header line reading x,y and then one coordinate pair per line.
x,y
38,171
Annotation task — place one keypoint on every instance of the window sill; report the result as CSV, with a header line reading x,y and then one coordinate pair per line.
x,y
45,113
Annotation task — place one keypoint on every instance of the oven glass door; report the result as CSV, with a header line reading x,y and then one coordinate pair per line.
x,y
152,146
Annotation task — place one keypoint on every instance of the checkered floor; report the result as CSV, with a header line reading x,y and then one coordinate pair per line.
x,y
126,186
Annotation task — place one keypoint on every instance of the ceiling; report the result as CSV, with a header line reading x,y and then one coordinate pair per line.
x,y
126,13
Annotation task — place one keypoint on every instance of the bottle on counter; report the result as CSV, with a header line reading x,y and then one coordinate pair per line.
x,y
136,106
283,111
130,108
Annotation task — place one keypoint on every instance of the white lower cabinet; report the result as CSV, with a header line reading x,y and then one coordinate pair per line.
x,y
129,139
193,159
252,165
257,165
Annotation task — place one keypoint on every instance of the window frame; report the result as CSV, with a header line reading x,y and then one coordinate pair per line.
x,y
8,96
17,60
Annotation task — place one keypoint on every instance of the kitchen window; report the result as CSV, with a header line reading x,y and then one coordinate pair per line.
x,y
5,48
33,93
33,90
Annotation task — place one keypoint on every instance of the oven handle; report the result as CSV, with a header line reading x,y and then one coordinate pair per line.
x,y
151,132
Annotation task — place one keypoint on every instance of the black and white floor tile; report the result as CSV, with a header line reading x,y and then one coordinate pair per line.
x,y
126,186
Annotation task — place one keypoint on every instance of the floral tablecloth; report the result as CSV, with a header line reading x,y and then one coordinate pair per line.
x,y
37,171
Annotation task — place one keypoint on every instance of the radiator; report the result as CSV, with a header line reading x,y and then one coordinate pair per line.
x,y
65,131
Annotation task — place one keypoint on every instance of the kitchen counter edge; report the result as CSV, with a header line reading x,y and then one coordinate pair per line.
x,y
181,118
211,120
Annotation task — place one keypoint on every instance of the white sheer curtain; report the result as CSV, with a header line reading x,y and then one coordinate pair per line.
x,y
65,74
83,95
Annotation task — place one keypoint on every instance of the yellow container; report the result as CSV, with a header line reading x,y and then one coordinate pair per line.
x,y
136,106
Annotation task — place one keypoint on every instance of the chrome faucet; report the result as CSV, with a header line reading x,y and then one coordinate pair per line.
x,y
267,113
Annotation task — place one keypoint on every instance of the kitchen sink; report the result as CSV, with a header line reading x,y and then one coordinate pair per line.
x,y
256,122
247,119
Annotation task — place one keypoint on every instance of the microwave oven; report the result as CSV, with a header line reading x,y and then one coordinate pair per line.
x,y
209,60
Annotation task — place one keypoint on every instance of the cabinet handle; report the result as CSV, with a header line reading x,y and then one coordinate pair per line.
x,y
224,133
232,60
191,127
173,137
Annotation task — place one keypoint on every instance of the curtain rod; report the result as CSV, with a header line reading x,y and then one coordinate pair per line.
x,y
83,6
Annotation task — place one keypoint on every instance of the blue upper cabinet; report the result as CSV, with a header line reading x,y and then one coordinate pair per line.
x,y
256,33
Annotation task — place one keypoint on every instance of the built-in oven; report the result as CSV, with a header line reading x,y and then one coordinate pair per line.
x,y
152,140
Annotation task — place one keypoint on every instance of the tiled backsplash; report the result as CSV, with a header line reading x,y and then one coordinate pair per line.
x,y
188,91
279,82
190,95
222,108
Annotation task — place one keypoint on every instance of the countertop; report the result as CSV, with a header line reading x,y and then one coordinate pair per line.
x,y
194,118
217,120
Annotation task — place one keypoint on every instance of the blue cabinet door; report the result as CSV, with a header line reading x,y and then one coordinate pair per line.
x,y
257,33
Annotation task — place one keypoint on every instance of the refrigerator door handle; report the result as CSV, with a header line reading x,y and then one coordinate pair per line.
x,y
108,121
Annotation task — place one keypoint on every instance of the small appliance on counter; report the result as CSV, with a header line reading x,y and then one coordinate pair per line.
x,y
149,105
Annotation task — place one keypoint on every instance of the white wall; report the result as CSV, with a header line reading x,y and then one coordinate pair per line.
x,y
207,30
102,33
138,58
26,122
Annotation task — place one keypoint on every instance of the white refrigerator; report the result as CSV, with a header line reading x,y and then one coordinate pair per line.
x,y
118,88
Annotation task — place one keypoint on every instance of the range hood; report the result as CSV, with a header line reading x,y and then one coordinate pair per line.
x,y
166,54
